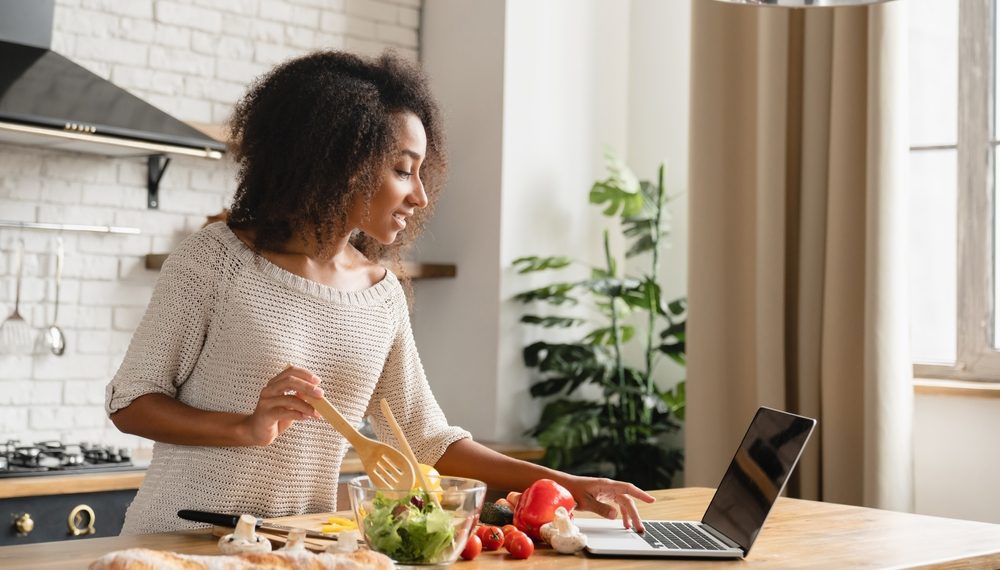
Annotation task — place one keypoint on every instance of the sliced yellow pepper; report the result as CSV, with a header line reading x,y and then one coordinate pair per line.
x,y
337,524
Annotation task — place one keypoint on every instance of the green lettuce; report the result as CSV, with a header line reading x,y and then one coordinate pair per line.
x,y
412,530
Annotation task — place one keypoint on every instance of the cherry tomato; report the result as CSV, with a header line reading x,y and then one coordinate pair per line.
x,y
520,546
492,538
508,532
473,547
480,530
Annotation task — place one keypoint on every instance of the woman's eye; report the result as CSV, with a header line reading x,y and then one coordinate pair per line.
x,y
404,174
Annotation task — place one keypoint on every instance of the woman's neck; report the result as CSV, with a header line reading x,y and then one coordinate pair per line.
x,y
342,267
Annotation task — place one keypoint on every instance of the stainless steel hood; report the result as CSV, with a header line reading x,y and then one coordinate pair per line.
x,y
47,100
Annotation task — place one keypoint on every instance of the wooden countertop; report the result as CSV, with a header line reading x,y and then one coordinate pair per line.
x,y
67,484
798,534
120,481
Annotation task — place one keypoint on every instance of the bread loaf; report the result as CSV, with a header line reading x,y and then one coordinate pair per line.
x,y
146,559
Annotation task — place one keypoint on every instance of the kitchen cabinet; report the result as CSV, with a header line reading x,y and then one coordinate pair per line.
x,y
65,507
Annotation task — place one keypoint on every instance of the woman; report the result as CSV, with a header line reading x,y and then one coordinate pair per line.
x,y
340,159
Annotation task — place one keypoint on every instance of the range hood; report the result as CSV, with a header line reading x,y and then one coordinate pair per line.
x,y
47,100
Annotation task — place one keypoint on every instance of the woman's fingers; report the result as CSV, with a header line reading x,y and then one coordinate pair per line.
x,y
288,402
601,508
630,514
639,493
513,497
290,384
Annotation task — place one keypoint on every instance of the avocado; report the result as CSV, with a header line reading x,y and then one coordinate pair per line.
x,y
496,515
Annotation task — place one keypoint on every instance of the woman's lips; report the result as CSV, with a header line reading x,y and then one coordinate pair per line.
x,y
400,220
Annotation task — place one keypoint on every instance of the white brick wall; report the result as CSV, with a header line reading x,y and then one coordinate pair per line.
x,y
193,59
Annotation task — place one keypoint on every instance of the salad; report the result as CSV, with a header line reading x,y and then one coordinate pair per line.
x,y
411,530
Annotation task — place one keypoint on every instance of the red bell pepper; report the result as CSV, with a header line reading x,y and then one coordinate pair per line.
x,y
538,505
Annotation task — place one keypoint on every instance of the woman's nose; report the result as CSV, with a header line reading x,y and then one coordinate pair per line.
x,y
419,197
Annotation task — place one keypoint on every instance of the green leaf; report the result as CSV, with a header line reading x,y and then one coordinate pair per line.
x,y
606,335
532,263
616,200
555,294
611,286
675,399
678,306
645,295
549,322
620,191
643,244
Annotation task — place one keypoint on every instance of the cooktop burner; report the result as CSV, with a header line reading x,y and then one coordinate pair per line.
x,y
57,458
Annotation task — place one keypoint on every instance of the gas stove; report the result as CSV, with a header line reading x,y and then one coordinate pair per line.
x,y
57,458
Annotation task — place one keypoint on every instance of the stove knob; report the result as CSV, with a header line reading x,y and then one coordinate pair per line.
x,y
24,524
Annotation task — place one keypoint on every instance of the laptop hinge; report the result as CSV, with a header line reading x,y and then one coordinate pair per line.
x,y
721,537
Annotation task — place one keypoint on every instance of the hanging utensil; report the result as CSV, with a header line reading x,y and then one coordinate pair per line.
x,y
55,339
15,332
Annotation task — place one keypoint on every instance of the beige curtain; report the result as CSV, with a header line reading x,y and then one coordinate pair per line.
x,y
797,281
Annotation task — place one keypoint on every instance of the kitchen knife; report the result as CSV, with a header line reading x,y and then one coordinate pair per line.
x,y
230,521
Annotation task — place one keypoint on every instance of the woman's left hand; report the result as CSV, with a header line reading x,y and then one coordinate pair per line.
x,y
604,497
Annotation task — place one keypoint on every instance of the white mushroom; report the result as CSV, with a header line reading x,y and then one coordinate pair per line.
x,y
296,541
244,539
347,542
546,531
566,538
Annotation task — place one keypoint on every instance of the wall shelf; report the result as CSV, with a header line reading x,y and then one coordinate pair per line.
x,y
415,269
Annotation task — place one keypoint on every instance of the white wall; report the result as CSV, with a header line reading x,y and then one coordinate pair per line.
x,y
531,99
956,457
454,320
566,87
192,58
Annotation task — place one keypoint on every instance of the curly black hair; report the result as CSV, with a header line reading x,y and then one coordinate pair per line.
x,y
314,133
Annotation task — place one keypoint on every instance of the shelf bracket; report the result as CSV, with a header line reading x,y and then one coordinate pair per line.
x,y
157,166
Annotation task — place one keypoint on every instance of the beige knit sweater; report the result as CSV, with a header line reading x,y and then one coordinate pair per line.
x,y
221,323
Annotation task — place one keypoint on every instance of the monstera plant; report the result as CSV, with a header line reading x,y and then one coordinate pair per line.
x,y
603,414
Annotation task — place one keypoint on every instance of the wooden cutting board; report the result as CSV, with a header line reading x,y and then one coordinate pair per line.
x,y
307,522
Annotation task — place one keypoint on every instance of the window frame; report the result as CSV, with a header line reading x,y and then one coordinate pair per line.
x,y
976,357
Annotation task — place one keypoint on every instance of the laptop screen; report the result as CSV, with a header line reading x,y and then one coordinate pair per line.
x,y
757,474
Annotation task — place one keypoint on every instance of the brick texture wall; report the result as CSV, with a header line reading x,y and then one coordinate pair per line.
x,y
193,59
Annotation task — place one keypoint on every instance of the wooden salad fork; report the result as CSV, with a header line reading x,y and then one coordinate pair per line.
x,y
387,467
405,446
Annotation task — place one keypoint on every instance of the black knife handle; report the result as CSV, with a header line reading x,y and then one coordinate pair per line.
x,y
217,519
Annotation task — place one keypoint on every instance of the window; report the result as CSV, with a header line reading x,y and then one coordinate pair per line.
x,y
953,141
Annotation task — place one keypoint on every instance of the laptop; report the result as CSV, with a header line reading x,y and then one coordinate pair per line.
x,y
756,476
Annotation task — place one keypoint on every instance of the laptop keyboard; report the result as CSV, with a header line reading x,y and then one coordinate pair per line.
x,y
677,536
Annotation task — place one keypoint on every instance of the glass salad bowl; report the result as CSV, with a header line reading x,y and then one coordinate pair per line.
x,y
414,527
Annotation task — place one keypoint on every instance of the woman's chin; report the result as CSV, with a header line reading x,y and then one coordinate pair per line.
x,y
386,239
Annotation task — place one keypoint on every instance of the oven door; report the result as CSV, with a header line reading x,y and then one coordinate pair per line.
x,y
63,517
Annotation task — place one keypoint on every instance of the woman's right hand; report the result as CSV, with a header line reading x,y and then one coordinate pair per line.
x,y
279,405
